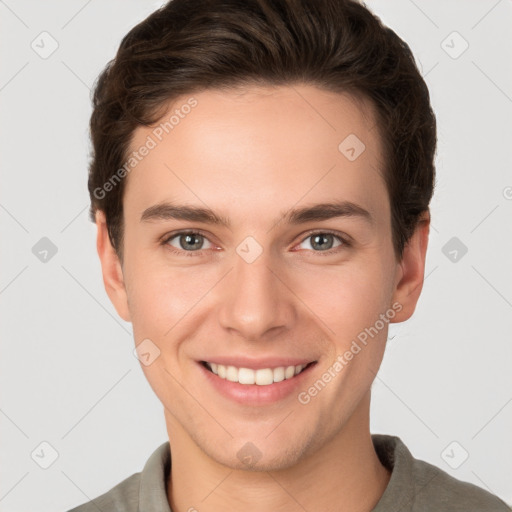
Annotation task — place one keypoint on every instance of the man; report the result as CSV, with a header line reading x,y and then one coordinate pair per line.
x,y
261,180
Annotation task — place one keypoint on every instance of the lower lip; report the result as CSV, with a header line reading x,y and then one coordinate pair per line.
x,y
253,394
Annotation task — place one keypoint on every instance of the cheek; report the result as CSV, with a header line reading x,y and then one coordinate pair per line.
x,y
342,298
160,296
347,298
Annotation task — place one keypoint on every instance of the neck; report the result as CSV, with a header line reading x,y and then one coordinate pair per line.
x,y
345,474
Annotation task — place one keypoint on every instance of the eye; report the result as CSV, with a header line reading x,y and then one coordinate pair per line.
x,y
192,243
323,241
188,241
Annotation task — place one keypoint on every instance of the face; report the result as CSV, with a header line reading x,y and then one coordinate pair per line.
x,y
290,291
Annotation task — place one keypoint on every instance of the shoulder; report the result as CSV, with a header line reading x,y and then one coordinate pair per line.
x,y
438,490
418,486
124,497
145,490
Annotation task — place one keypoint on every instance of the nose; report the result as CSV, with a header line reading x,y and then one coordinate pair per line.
x,y
256,303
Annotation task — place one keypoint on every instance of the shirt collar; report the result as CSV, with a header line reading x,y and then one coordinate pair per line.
x,y
395,456
153,480
391,451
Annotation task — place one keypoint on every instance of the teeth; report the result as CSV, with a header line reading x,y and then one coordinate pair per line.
x,y
261,377
246,376
279,374
232,374
264,377
289,372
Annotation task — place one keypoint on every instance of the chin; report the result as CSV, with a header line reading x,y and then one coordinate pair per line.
x,y
259,455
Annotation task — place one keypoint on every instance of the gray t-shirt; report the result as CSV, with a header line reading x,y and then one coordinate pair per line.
x,y
415,486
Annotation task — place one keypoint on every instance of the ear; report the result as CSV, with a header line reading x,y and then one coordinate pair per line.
x,y
411,270
111,268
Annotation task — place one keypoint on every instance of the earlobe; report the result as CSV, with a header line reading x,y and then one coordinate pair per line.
x,y
113,278
411,271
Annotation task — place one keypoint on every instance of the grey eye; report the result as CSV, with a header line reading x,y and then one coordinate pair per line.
x,y
188,241
322,241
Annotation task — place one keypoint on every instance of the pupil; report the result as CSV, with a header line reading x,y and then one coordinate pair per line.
x,y
189,240
324,237
320,241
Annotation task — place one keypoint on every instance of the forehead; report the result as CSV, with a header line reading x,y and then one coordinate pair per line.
x,y
263,148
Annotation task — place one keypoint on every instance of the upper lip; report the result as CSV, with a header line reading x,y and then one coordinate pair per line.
x,y
257,364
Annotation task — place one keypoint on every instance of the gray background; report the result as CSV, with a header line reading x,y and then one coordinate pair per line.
x,y
68,374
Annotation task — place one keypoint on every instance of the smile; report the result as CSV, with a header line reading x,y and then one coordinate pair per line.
x,y
261,377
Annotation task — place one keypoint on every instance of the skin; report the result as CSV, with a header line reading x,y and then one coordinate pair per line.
x,y
251,155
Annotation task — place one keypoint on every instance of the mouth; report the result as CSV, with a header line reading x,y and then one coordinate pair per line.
x,y
259,377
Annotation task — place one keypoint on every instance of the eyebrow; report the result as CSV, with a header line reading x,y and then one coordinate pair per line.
x,y
317,212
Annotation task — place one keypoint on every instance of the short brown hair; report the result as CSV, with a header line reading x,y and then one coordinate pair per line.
x,y
191,45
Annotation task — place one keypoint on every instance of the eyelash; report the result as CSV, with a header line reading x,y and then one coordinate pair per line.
x,y
345,242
